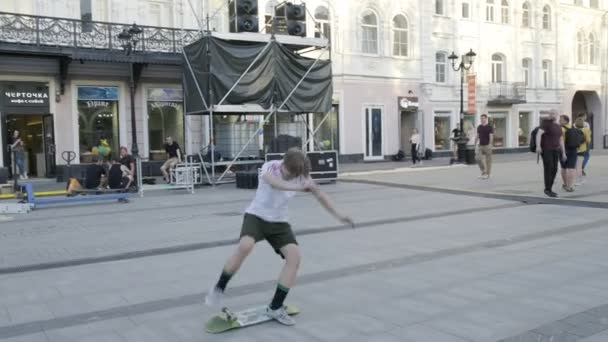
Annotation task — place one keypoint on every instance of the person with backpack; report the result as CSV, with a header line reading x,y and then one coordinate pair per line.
x,y
583,149
550,145
573,138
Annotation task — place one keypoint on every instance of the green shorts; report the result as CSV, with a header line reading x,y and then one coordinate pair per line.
x,y
278,234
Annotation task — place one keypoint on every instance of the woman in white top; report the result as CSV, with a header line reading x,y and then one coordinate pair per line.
x,y
415,141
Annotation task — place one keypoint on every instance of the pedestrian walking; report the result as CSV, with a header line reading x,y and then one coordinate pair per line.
x,y
583,149
18,148
587,155
550,145
484,142
573,138
415,142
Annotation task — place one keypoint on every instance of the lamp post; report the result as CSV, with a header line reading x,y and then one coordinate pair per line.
x,y
465,64
129,39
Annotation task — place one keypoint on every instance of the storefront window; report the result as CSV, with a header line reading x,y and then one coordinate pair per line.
x,y
499,122
97,122
524,128
442,131
327,134
165,119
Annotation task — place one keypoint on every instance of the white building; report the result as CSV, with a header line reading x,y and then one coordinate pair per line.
x,y
532,56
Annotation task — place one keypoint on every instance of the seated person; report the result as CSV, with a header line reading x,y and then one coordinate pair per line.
x,y
174,156
95,174
119,176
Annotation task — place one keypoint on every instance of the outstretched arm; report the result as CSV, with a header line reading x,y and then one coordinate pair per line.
x,y
326,202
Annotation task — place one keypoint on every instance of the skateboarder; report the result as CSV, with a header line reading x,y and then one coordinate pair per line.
x,y
266,218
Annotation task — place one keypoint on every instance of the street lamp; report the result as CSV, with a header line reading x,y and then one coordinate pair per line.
x,y
465,64
129,39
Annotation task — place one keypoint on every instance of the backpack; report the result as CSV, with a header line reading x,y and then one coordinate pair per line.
x,y
533,139
574,138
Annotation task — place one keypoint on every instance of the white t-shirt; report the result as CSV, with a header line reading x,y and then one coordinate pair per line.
x,y
415,139
270,204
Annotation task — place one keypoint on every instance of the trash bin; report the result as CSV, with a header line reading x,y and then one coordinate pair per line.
x,y
470,155
3,175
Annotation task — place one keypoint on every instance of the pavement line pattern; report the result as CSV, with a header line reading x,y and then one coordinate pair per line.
x,y
572,328
401,169
228,242
311,278
572,202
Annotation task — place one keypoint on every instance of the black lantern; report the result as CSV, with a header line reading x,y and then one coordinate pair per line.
x,y
465,64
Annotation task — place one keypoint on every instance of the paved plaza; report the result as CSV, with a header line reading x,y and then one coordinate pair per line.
x,y
437,255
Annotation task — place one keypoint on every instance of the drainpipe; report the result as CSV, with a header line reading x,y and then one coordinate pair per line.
x,y
604,67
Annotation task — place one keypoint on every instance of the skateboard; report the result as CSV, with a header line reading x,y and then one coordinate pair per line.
x,y
228,320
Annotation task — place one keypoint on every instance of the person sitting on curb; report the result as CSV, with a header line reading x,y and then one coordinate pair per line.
x,y
174,156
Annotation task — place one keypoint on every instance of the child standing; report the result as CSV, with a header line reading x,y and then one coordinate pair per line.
x,y
266,219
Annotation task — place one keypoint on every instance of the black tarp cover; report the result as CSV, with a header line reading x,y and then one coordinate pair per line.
x,y
269,81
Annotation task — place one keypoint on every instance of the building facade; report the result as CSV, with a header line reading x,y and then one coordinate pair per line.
x,y
66,82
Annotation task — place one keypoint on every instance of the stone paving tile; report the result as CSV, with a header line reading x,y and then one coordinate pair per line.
x,y
421,332
89,329
39,337
28,313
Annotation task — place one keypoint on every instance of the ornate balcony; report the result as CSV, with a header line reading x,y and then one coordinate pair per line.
x,y
506,94
20,33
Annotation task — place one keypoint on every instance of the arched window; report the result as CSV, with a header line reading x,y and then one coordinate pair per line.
x,y
322,26
369,28
581,48
593,50
400,36
440,67
504,12
439,10
490,10
547,17
526,66
547,74
525,14
498,68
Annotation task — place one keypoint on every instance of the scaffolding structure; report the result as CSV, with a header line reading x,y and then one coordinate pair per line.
x,y
245,132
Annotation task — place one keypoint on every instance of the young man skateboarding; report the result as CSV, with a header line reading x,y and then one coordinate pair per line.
x,y
266,219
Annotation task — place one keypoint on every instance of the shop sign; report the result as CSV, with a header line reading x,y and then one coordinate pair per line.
x,y
471,94
24,94
162,104
409,103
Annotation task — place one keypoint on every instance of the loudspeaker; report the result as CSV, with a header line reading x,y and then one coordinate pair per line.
x,y
292,19
243,15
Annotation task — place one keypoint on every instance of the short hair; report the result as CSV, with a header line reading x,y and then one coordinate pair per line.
x,y
565,118
296,162
581,115
580,122
484,115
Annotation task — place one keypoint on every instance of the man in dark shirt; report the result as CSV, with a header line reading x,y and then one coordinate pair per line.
x,y
484,142
95,174
550,144
128,161
174,156
119,176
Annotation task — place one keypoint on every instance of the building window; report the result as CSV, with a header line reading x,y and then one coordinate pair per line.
x,y
439,10
593,50
547,74
466,10
498,71
97,122
440,67
400,36
581,47
578,2
327,134
523,132
100,10
526,64
525,14
322,26
443,129
499,122
165,119
594,4
490,10
369,27
504,12
546,17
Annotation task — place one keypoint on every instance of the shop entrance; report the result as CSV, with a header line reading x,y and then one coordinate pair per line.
x,y
38,137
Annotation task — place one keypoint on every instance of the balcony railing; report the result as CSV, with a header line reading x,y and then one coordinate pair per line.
x,y
71,33
505,93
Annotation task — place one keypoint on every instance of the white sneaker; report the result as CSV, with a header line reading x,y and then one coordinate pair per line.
x,y
280,315
214,297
